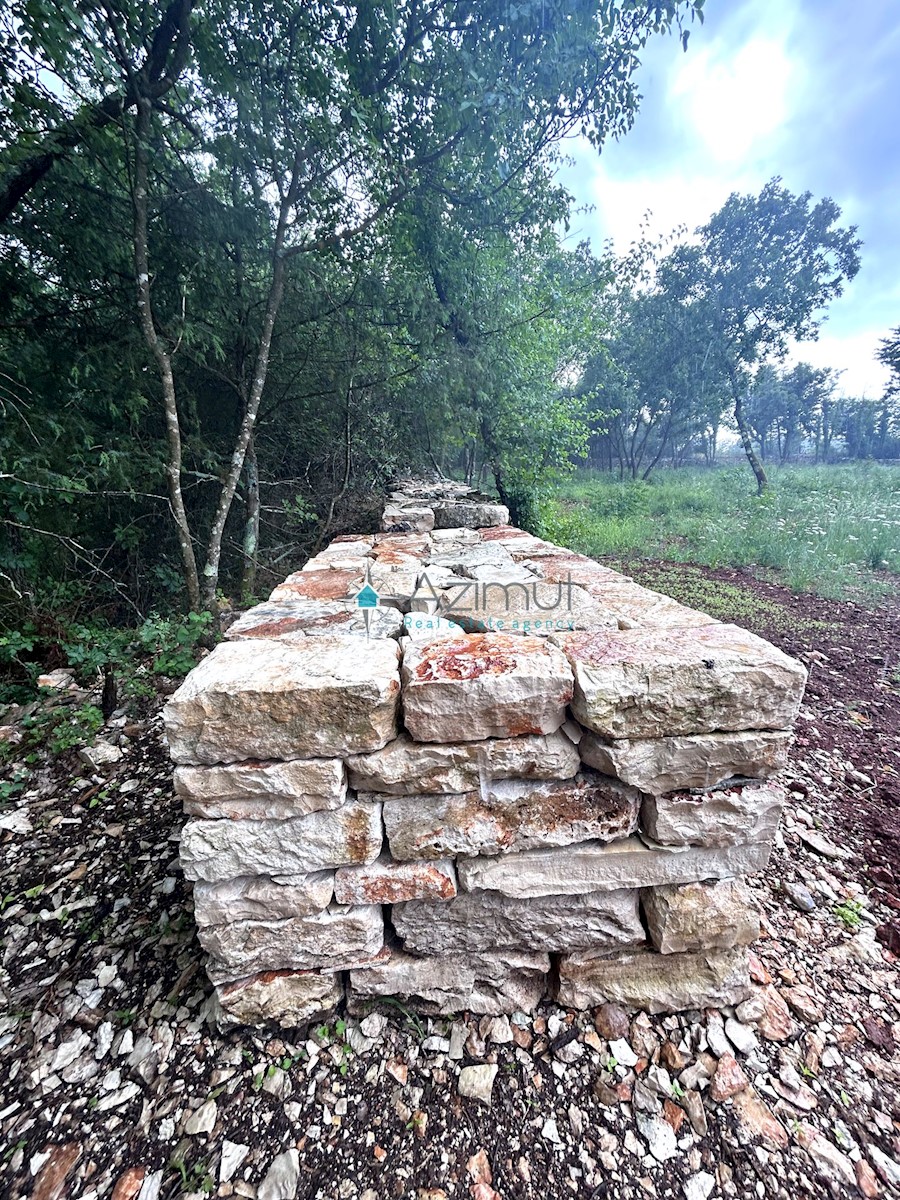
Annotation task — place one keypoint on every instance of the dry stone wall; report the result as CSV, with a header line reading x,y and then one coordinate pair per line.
x,y
464,768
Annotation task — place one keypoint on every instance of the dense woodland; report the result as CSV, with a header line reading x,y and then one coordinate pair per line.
x,y
257,258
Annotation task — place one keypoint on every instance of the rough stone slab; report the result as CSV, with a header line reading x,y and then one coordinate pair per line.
x,y
661,683
522,607
426,626
453,514
287,998
505,982
309,698
511,815
262,789
459,558
349,560
395,585
413,544
316,618
479,922
566,565
635,607
517,573
214,850
388,882
330,940
656,983
725,816
407,518
700,916
407,768
255,898
482,686
669,764
327,584
594,867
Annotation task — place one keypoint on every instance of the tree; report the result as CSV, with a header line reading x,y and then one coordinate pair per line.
x,y
888,354
764,268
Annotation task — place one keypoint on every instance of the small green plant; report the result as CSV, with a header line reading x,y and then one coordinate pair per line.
x,y
677,1089
611,1062
849,912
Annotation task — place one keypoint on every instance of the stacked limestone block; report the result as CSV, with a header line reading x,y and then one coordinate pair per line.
x,y
469,769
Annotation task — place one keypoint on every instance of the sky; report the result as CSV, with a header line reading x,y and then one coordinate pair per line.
x,y
808,90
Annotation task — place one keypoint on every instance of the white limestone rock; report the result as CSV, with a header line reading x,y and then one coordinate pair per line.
x,y
656,983
407,518
215,850
331,940
595,867
454,514
642,683
326,583
533,608
408,768
264,699
479,922
388,882
316,618
260,790
426,626
461,557
636,607
483,685
286,998
256,898
691,917
669,764
503,982
511,815
744,811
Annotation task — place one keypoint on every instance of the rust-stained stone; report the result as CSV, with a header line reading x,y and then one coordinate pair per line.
x,y
407,768
319,585
511,815
503,982
522,607
288,998
306,698
216,850
484,685
315,618
388,882
661,683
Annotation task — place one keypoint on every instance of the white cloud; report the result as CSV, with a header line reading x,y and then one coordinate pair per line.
x,y
853,354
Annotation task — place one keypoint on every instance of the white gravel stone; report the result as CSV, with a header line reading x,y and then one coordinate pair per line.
x,y
477,1082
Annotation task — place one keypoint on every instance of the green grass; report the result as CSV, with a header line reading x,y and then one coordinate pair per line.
x,y
826,530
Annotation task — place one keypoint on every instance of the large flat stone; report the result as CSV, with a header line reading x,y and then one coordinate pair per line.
x,y
408,768
482,686
640,683
505,982
286,998
388,882
256,898
316,618
407,518
479,922
309,698
262,789
724,816
511,815
594,867
532,607
330,940
656,983
635,607
467,514
325,584
702,760
691,917
214,850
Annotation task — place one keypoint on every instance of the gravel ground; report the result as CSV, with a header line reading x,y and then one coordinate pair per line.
x,y
114,1082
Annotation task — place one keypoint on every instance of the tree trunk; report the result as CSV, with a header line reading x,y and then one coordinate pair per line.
x,y
251,525
163,359
762,480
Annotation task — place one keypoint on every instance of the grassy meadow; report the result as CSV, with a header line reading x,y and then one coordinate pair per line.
x,y
830,530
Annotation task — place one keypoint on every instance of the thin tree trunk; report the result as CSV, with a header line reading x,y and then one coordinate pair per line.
x,y
762,480
160,354
251,524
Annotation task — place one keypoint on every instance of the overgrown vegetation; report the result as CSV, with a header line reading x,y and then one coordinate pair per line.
x,y
830,530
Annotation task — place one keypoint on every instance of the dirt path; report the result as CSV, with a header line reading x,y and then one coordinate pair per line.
x,y
114,1084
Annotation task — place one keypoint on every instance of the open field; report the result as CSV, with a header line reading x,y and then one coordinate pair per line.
x,y
834,530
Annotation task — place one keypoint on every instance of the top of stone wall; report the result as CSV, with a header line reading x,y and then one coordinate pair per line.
x,y
418,506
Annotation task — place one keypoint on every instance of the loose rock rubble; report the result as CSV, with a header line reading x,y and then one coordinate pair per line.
x,y
116,1081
